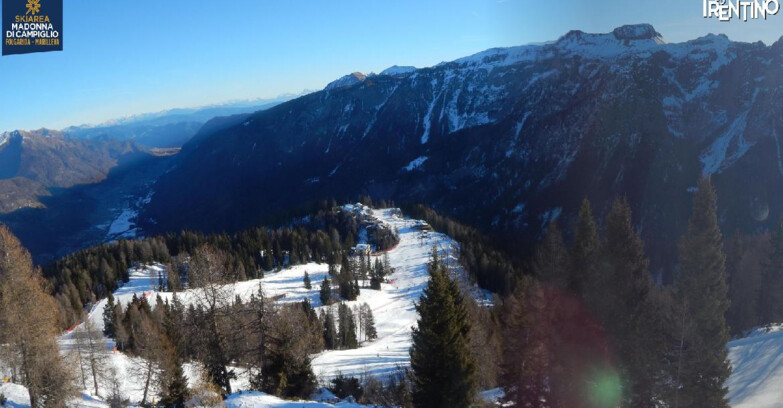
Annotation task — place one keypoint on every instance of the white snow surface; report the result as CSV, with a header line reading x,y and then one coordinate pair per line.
x,y
393,308
4,136
757,369
252,399
395,70
415,163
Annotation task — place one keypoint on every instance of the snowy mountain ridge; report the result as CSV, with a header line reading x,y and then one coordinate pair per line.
x,y
511,135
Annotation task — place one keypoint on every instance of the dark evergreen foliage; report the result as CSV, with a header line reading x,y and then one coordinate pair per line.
x,y
442,364
307,283
700,356
491,268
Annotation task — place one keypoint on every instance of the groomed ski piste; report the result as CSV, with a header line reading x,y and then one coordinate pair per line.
x,y
757,363
393,308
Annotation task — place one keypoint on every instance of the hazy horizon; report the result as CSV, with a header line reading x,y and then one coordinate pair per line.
x,y
128,59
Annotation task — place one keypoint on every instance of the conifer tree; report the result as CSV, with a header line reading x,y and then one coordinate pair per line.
x,y
443,366
347,281
326,292
176,386
387,268
330,330
525,364
626,307
583,253
376,276
700,293
287,371
550,261
771,294
307,283
368,321
108,317
347,327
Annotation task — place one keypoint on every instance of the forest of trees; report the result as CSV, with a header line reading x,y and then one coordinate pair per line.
x,y
594,320
490,267
582,324
85,277
270,342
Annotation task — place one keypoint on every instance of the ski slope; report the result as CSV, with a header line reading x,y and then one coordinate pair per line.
x,y
393,308
757,369
757,359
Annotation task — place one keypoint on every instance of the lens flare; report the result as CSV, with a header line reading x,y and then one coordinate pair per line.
x,y
606,390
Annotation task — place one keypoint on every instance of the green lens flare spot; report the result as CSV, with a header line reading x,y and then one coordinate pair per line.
x,y
606,391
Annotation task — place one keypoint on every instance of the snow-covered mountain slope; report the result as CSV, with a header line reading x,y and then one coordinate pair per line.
x,y
393,308
534,127
757,364
347,80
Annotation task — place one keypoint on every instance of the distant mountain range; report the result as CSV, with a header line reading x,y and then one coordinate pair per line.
x,y
170,128
509,140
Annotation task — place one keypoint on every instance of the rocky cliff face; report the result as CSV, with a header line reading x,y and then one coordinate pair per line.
x,y
511,139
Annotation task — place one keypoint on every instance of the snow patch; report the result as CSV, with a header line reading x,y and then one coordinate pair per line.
x,y
397,70
719,156
757,369
428,119
415,163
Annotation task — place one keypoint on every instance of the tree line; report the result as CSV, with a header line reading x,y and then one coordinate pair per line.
x,y
583,326
82,278
493,269
588,327
594,328
271,343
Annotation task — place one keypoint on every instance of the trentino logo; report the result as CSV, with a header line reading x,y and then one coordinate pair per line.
x,y
726,10
32,26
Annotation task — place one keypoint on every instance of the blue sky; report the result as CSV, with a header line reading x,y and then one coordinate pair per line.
x,y
124,57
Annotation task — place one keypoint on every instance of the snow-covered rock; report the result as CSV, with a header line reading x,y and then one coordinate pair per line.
x,y
345,81
398,70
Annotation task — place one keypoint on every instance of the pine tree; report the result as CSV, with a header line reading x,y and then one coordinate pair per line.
x,y
326,292
625,305
702,366
550,262
330,330
387,268
176,387
525,364
368,321
347,281
376,276
287,371
442,364
583,253
347,328
307,283
771,294
108,317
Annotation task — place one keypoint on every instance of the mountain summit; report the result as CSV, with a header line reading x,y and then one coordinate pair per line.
x,y
510,139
